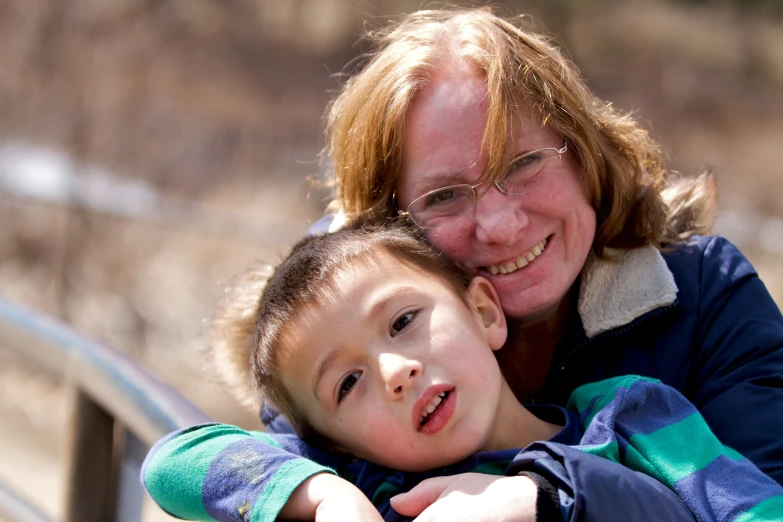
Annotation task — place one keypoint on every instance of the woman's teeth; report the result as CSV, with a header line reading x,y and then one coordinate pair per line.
x,y
431,406
521,262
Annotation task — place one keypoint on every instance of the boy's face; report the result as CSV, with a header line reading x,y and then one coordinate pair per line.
x,y
395,368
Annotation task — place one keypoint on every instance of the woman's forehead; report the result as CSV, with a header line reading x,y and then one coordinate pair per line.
x,y
448,148
443,135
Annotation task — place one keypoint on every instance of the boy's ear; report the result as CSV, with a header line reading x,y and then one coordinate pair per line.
x,y
487,305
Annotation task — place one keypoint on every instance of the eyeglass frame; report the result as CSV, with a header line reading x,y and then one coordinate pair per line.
x,y
474,197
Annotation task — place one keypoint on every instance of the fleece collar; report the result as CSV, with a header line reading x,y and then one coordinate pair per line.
x,y
615,292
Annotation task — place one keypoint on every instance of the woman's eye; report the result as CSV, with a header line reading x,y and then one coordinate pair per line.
x,y
402,322
522,171
347,384
526,161
440,196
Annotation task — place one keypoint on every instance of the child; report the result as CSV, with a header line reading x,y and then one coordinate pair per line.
x,y
377,349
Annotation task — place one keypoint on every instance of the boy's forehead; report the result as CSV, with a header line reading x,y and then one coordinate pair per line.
x,y
357,290
375,271
363,277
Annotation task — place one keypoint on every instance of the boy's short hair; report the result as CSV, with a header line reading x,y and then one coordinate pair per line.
x,y
307,274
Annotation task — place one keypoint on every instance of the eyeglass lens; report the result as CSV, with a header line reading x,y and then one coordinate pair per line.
x,y
448,204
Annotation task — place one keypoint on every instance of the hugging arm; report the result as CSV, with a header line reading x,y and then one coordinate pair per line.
x,y
653,429
581,483
646,454
220,472
567,485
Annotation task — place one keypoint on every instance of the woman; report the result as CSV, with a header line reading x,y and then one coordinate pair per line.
x,y
486,137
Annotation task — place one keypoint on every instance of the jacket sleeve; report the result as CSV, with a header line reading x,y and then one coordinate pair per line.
x,y
592,488
590,482
219,472
737,373
650,427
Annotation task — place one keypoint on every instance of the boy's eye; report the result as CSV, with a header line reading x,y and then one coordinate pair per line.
x,y
402,322
345,386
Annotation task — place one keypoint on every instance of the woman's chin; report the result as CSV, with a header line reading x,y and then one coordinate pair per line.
x,y
531,304
536,295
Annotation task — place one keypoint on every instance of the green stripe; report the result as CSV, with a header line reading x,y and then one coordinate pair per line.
x,y
638,461
672,452
770,510
279,489
175,475
384,492
492,468
263,437
609,450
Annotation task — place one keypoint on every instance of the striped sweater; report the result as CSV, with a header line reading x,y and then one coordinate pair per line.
x,y
220,472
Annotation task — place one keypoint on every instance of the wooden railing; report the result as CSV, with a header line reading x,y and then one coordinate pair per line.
x,y
119,411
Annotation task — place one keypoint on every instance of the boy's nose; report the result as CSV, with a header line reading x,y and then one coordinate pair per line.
x,y
398,372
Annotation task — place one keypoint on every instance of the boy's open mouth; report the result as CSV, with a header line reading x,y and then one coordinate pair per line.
x,y
433,406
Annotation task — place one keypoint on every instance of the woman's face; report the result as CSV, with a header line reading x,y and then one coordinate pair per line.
x,y
442,147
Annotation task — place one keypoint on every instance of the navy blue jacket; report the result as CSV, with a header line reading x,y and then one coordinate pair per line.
x,y
720,343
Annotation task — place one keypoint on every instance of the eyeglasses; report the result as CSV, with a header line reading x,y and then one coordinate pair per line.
x,y
444,206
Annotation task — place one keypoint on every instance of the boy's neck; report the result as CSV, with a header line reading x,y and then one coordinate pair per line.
x,y
515,426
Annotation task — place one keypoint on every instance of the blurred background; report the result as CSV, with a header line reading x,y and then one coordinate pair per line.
x,y
152,149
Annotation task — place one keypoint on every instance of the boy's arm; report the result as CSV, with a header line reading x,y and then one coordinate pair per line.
x,y
650,427
219,472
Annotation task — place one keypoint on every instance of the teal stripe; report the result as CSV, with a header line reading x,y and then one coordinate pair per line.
x,y
672,452
492,468
384,492
638,461
263,437
769,510
279,489
176,472
609,450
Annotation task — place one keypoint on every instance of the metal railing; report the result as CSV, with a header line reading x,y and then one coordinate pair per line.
x,y
119,411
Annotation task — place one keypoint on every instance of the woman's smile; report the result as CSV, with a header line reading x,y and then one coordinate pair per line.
x,y
519,262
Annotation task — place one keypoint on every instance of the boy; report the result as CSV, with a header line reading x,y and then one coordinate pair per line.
x,y
375,348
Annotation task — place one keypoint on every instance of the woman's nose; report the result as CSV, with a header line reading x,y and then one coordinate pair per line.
x,y
399,373
500,218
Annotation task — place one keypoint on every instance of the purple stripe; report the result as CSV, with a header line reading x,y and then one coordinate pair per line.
x,y
725,489
645,408
238,475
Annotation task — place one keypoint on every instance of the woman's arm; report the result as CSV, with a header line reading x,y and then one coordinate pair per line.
x,y
587,487
737,369
650,427
219,472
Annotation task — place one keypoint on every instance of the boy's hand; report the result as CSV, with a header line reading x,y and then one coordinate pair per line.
x,y
470,496
325,497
